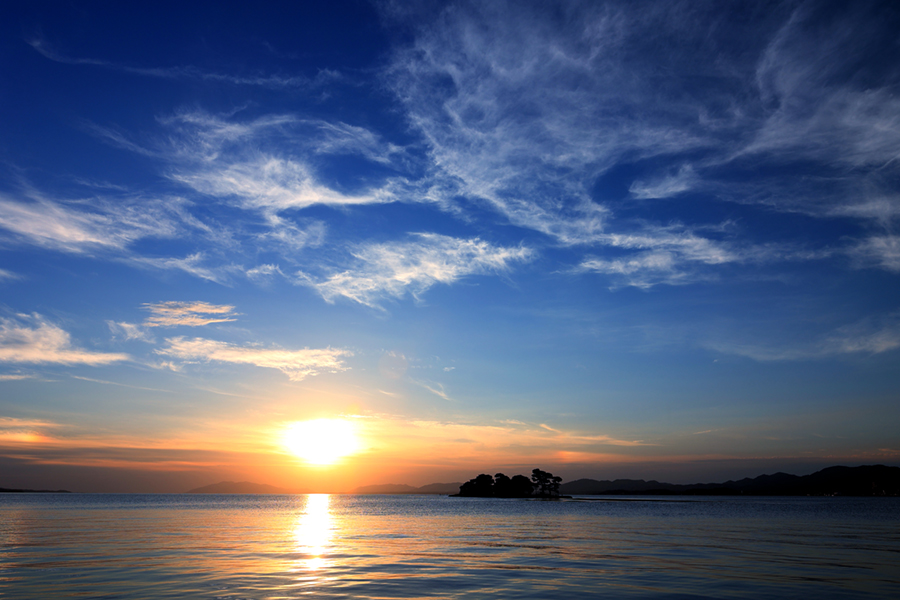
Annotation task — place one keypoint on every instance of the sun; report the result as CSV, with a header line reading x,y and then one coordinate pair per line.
x,y
321,441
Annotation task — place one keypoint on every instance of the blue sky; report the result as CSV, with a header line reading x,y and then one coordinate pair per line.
x,y
606,239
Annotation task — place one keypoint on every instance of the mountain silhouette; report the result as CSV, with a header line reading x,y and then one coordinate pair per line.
x,y
870,480
242,487
399,488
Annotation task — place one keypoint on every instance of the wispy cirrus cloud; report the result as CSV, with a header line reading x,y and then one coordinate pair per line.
x,y
507,442
85,226
190,314
273,81
31,339
526,108
173,314
664,186
15,376
267,166
873,335
523,110
818,113
880,250
669,255
129,331
296,364
264,164
195,264
18,430
395,269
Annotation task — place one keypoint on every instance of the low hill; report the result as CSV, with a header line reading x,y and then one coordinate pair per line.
x,y
870,480
399,488
17,491
241,487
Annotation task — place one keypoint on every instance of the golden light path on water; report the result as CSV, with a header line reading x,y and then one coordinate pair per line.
x,y
312,535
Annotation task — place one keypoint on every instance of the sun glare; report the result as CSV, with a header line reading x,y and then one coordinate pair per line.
x,y
322,441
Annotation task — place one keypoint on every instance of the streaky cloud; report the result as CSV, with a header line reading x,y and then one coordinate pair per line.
x,y
190,72
192,265
31,339
85,227
296,364
873,335
879,251
129,331
395,269
191,314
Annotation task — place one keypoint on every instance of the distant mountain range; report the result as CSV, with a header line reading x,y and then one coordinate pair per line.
x,y
871,480
399,488
16,491
247,487
240,487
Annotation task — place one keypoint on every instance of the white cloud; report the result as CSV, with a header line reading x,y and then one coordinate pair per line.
x,y
31,339
296,364
397,268
867,336
189,314
263,272
523,108
882,209
819,113
191,264
872,336
879,251
173,314
643,270
264,164
4,274
523,115
435,388
342,138
74,227
15,377
665,186
667,255
268,183
129,331
273,81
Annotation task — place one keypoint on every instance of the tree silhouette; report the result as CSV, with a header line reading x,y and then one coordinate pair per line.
x,y
521,487
502,486
483,485
541,484
547,483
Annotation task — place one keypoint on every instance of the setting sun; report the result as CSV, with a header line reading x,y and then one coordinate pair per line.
x,y
321,441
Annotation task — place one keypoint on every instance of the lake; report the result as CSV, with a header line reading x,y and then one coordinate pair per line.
x,y
345,546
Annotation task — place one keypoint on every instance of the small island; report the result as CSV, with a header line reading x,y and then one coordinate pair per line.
x,y
542,485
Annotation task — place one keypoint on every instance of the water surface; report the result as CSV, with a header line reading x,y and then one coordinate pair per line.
x,y
385,547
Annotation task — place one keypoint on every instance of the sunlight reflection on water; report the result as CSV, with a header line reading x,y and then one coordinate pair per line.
x,y
313,532
268,547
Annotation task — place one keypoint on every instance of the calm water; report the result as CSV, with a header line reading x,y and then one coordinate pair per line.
x,y
230,547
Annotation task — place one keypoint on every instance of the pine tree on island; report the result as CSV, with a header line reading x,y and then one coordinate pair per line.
x,y
541,485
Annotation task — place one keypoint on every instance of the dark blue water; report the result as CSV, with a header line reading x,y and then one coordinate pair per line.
x,y
231,547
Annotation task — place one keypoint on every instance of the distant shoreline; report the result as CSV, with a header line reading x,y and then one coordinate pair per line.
x,y
17,491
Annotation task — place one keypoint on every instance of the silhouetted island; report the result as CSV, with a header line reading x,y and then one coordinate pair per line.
x,y
541,485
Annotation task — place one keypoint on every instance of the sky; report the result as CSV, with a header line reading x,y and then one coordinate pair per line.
x,y
607,239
